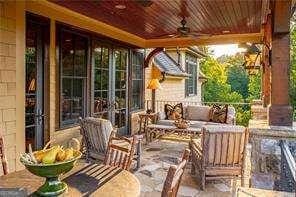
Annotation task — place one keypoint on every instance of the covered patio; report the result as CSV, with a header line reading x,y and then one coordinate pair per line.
x,y
62,60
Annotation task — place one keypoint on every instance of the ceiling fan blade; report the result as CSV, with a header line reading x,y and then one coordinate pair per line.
x,y
167,36
199,33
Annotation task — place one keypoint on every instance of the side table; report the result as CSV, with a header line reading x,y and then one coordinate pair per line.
x,y
144,120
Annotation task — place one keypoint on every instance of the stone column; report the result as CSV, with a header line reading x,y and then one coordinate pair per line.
x,y
280,111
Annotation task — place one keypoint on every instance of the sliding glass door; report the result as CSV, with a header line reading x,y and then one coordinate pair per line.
x,y
110,85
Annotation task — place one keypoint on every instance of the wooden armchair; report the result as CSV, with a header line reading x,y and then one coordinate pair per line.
x,y
120,151
174,176
220,153
95,135
2,156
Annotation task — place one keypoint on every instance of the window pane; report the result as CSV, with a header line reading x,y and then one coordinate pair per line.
x,y
97,79
191,66
66,88
120,80
137,86
80,56
77,108
78,88
137,83
66,109
117,59
97,53
73,72
104,79
123,60
67,49
120,99
105,61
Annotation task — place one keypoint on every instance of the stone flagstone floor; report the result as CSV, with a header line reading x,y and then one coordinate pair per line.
x,y
156,159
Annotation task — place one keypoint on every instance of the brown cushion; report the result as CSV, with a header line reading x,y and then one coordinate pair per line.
x,y
196,112
173,112
218,113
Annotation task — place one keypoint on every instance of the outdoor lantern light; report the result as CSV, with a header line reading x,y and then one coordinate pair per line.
x,y
251,59
153,85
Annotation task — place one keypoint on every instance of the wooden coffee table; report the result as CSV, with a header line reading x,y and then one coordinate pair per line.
x,y
155,131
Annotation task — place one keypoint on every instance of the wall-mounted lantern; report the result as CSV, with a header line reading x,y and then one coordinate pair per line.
x,y
252,58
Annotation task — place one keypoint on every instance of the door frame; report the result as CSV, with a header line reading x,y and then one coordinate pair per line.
x,y
43,58
111,78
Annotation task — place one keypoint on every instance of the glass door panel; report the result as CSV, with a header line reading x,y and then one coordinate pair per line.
x,y
101,81
120,107
34,86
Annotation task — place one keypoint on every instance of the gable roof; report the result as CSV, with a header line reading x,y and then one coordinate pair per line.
x,y
168,65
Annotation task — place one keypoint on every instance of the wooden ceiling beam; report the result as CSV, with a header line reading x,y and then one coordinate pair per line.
x,y
205,40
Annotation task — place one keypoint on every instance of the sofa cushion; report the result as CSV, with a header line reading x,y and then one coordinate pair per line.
x,y
173,112
230,115
218,113
197,112
166,122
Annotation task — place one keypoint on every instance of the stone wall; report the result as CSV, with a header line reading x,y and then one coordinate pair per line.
x,y
266,152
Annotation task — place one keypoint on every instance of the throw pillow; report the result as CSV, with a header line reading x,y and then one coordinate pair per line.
x,y
218,113
173,112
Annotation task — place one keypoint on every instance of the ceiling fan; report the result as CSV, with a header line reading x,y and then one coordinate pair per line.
x,y
184,31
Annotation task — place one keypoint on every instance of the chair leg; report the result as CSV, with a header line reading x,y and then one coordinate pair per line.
x,y
139,150
193,171
202,180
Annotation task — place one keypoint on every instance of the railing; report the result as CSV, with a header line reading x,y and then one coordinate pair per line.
x,y
287,180
243,112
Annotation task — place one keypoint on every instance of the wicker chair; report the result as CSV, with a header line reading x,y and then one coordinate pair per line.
x,y
2,156
220,153
120,151
174,176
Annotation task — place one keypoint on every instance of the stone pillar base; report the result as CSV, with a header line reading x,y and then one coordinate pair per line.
x,y
280,115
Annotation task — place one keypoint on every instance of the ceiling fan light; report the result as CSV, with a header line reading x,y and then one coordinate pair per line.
x,y
225,31
120,6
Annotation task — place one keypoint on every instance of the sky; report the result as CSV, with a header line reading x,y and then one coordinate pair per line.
x,y
227,49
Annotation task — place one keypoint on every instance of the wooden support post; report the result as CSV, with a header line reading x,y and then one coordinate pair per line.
x,y
266,74
280,112
153,100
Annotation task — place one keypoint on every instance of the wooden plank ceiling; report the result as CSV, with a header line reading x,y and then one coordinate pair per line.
x,y
162,17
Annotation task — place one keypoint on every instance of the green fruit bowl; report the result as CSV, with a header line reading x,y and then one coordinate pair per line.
x,y
53,186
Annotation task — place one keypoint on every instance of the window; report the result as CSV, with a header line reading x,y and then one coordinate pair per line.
x,y
191,82
137,86
73,59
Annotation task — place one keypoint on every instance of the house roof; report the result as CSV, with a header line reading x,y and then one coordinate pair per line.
x,y
168,65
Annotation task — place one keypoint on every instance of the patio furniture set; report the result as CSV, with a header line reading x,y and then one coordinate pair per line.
x,y
217,151
113,177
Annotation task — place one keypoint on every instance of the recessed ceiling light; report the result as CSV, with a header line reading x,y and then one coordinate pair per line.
x,y
225,31
120,6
